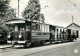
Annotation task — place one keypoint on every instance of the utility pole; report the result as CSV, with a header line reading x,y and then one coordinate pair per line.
x,y
72,19
72,22
18,8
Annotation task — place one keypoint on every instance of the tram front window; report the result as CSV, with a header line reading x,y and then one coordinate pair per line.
x,y
16,28
27,28
22,29
33,26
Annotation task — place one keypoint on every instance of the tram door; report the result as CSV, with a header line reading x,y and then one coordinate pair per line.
x,y
28,35
52,34
69,34
77,33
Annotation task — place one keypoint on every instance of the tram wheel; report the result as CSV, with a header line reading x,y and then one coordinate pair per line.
x,y
50,42
25,45
42,42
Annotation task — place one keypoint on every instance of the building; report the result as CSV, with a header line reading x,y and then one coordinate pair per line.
x,y
74,26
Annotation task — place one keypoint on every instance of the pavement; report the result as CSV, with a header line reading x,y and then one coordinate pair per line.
x,y
9,45
62,49
5,46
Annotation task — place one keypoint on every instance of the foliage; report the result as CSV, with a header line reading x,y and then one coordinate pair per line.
x,y
6,13
32,11
11,14
3,7
42,18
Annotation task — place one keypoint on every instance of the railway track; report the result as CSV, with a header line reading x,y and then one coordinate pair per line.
x,y
49,51
45,51
7,49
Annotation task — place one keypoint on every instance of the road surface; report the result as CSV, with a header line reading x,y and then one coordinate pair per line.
x,y
62,49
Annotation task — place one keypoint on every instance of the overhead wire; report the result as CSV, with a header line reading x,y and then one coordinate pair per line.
x,y
74,5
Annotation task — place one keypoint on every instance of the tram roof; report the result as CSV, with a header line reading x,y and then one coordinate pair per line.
x,y
14,21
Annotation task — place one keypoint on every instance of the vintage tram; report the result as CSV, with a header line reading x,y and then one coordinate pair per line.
x,y
29,33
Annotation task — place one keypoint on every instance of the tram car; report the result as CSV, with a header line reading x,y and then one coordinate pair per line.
x,y
29,33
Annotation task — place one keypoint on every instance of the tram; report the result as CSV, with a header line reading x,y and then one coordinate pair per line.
x,y
29,33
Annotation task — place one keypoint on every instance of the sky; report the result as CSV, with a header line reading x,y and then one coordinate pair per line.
x,y
58,12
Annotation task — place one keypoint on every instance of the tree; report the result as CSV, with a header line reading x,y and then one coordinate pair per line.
x,y
3,8
6,13
32,11
11,14
42,18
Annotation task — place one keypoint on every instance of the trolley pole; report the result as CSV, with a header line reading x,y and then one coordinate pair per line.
x,y
18,8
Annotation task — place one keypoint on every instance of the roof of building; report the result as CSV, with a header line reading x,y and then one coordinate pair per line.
x,y
72,24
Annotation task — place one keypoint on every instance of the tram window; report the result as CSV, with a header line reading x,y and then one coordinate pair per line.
x,y
58,30
22,29
27,28
16,28
47,28
43,28
33,26
38,27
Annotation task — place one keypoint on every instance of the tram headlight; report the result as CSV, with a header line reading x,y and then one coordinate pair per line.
x,y
9,35
20,35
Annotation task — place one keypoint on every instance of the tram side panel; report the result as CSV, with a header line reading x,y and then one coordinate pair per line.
x,y
63,35
42,34
58,35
